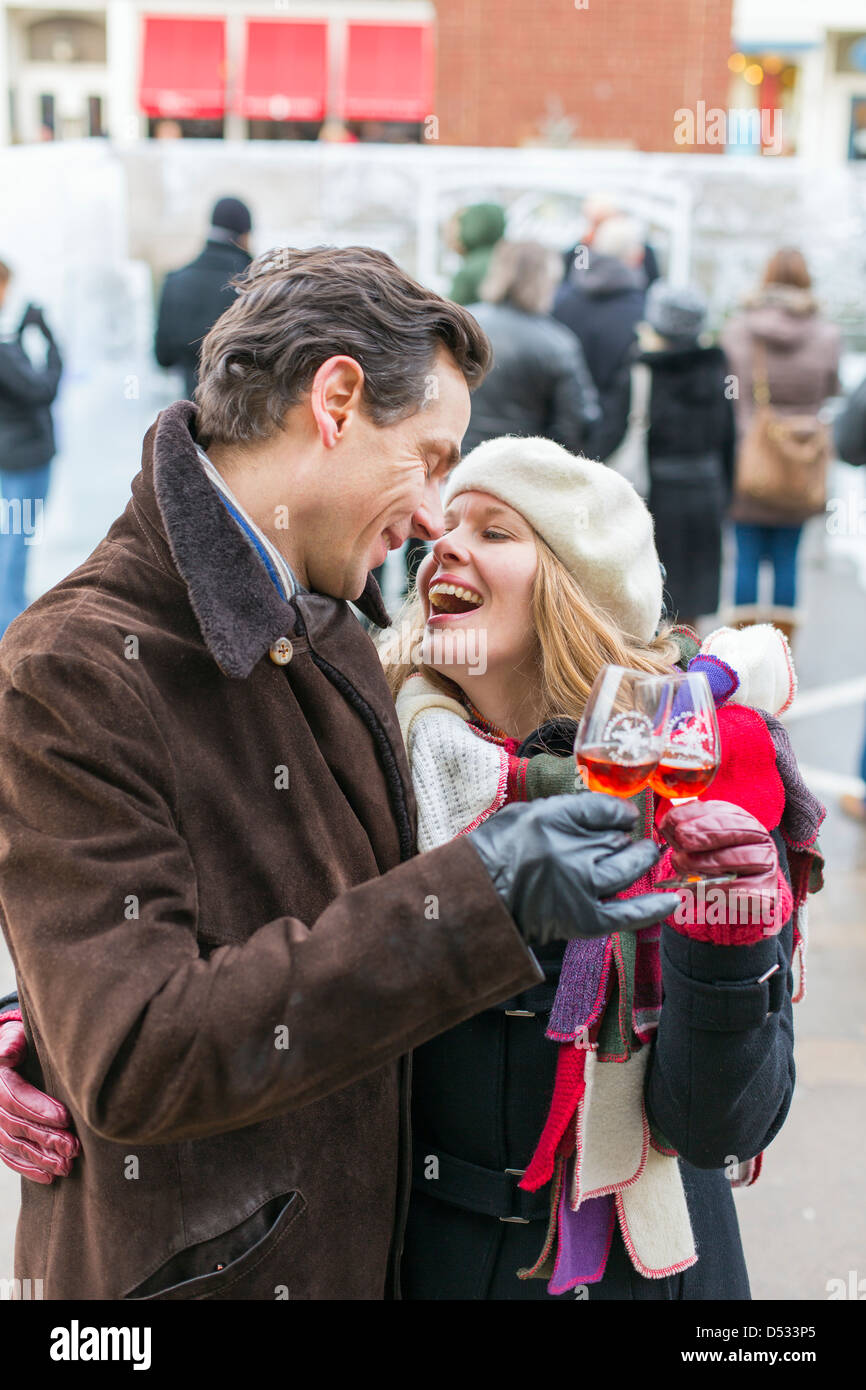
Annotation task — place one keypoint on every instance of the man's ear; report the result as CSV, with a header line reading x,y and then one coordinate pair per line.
x,y
335,396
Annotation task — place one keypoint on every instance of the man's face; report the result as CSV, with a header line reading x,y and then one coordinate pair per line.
x,y
382,484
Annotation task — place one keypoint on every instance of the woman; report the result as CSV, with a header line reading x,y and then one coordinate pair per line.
x,y
689,444
548,560
547,571
27,448
780,336
539,383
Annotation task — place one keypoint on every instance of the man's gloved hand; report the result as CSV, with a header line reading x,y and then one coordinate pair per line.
x,y
35,1138
553,860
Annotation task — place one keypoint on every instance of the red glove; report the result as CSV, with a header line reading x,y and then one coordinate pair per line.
x,y
717,837
35,1138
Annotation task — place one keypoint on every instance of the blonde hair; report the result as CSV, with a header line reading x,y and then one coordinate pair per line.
x,y
575,639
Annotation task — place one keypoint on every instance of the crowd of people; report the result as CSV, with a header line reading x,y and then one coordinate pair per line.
x,y
262,827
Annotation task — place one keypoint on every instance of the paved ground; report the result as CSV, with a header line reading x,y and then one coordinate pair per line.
x,y
803,1222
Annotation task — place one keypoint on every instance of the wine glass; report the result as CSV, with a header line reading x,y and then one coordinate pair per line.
x,y
691,753
621,734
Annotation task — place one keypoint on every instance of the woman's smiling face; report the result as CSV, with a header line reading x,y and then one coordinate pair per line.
x,y
489,557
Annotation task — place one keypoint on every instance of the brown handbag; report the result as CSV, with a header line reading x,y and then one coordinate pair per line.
x,y
783,460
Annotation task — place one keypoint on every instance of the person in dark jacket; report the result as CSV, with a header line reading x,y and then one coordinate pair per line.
x,y
712,1058
194,297
26,449
689,443
849,429
598,208
603,302
850,438
712,1055
539,383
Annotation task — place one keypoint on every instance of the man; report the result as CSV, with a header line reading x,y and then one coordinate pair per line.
x,y
26,450
194,296
598,208
603,302
224,941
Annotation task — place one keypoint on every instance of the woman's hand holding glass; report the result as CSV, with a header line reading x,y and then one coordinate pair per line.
x,y
640,730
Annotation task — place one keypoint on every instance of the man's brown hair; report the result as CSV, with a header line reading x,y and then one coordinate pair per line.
x,y
295,309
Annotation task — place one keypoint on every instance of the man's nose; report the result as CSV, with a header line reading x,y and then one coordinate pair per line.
x,y
428,522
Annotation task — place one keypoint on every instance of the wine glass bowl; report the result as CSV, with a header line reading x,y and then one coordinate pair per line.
x,y
619,738
691,750
690,755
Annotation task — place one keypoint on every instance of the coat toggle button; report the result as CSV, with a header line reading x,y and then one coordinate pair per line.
x,y
281,652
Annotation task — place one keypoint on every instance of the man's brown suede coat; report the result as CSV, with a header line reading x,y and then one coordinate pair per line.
x,y
224,942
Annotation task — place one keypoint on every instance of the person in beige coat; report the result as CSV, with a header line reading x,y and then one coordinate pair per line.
x,y
802,356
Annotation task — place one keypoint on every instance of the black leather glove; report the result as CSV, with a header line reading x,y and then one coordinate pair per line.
x,y
33,315
552,861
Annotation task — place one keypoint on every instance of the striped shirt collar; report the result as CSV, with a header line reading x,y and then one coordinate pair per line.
x,y
276,566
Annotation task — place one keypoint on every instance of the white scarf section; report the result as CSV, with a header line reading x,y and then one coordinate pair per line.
x,y
460,776
614,1154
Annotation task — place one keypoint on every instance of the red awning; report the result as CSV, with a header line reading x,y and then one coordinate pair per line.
x,y
388,74
183,68
285,75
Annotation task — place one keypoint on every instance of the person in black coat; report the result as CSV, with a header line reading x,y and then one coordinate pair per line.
x,y
194,297
597,209
26,449
690,444
602,302
481,1093
850,438
539,383
719,1076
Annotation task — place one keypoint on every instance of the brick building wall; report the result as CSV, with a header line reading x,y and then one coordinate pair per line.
x,y
618,68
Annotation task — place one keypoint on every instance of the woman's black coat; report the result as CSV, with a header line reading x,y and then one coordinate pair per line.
x,y
719,1085
26,394
690,456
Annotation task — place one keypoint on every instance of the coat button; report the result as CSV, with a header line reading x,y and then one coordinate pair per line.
x,y
281,652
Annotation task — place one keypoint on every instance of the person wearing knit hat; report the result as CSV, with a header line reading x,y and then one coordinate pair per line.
x,y
673,402
547,571
195,296
592,519
676,312
233,216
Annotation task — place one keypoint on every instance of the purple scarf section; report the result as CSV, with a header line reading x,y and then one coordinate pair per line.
x,y
584,1239
803,813
582,989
